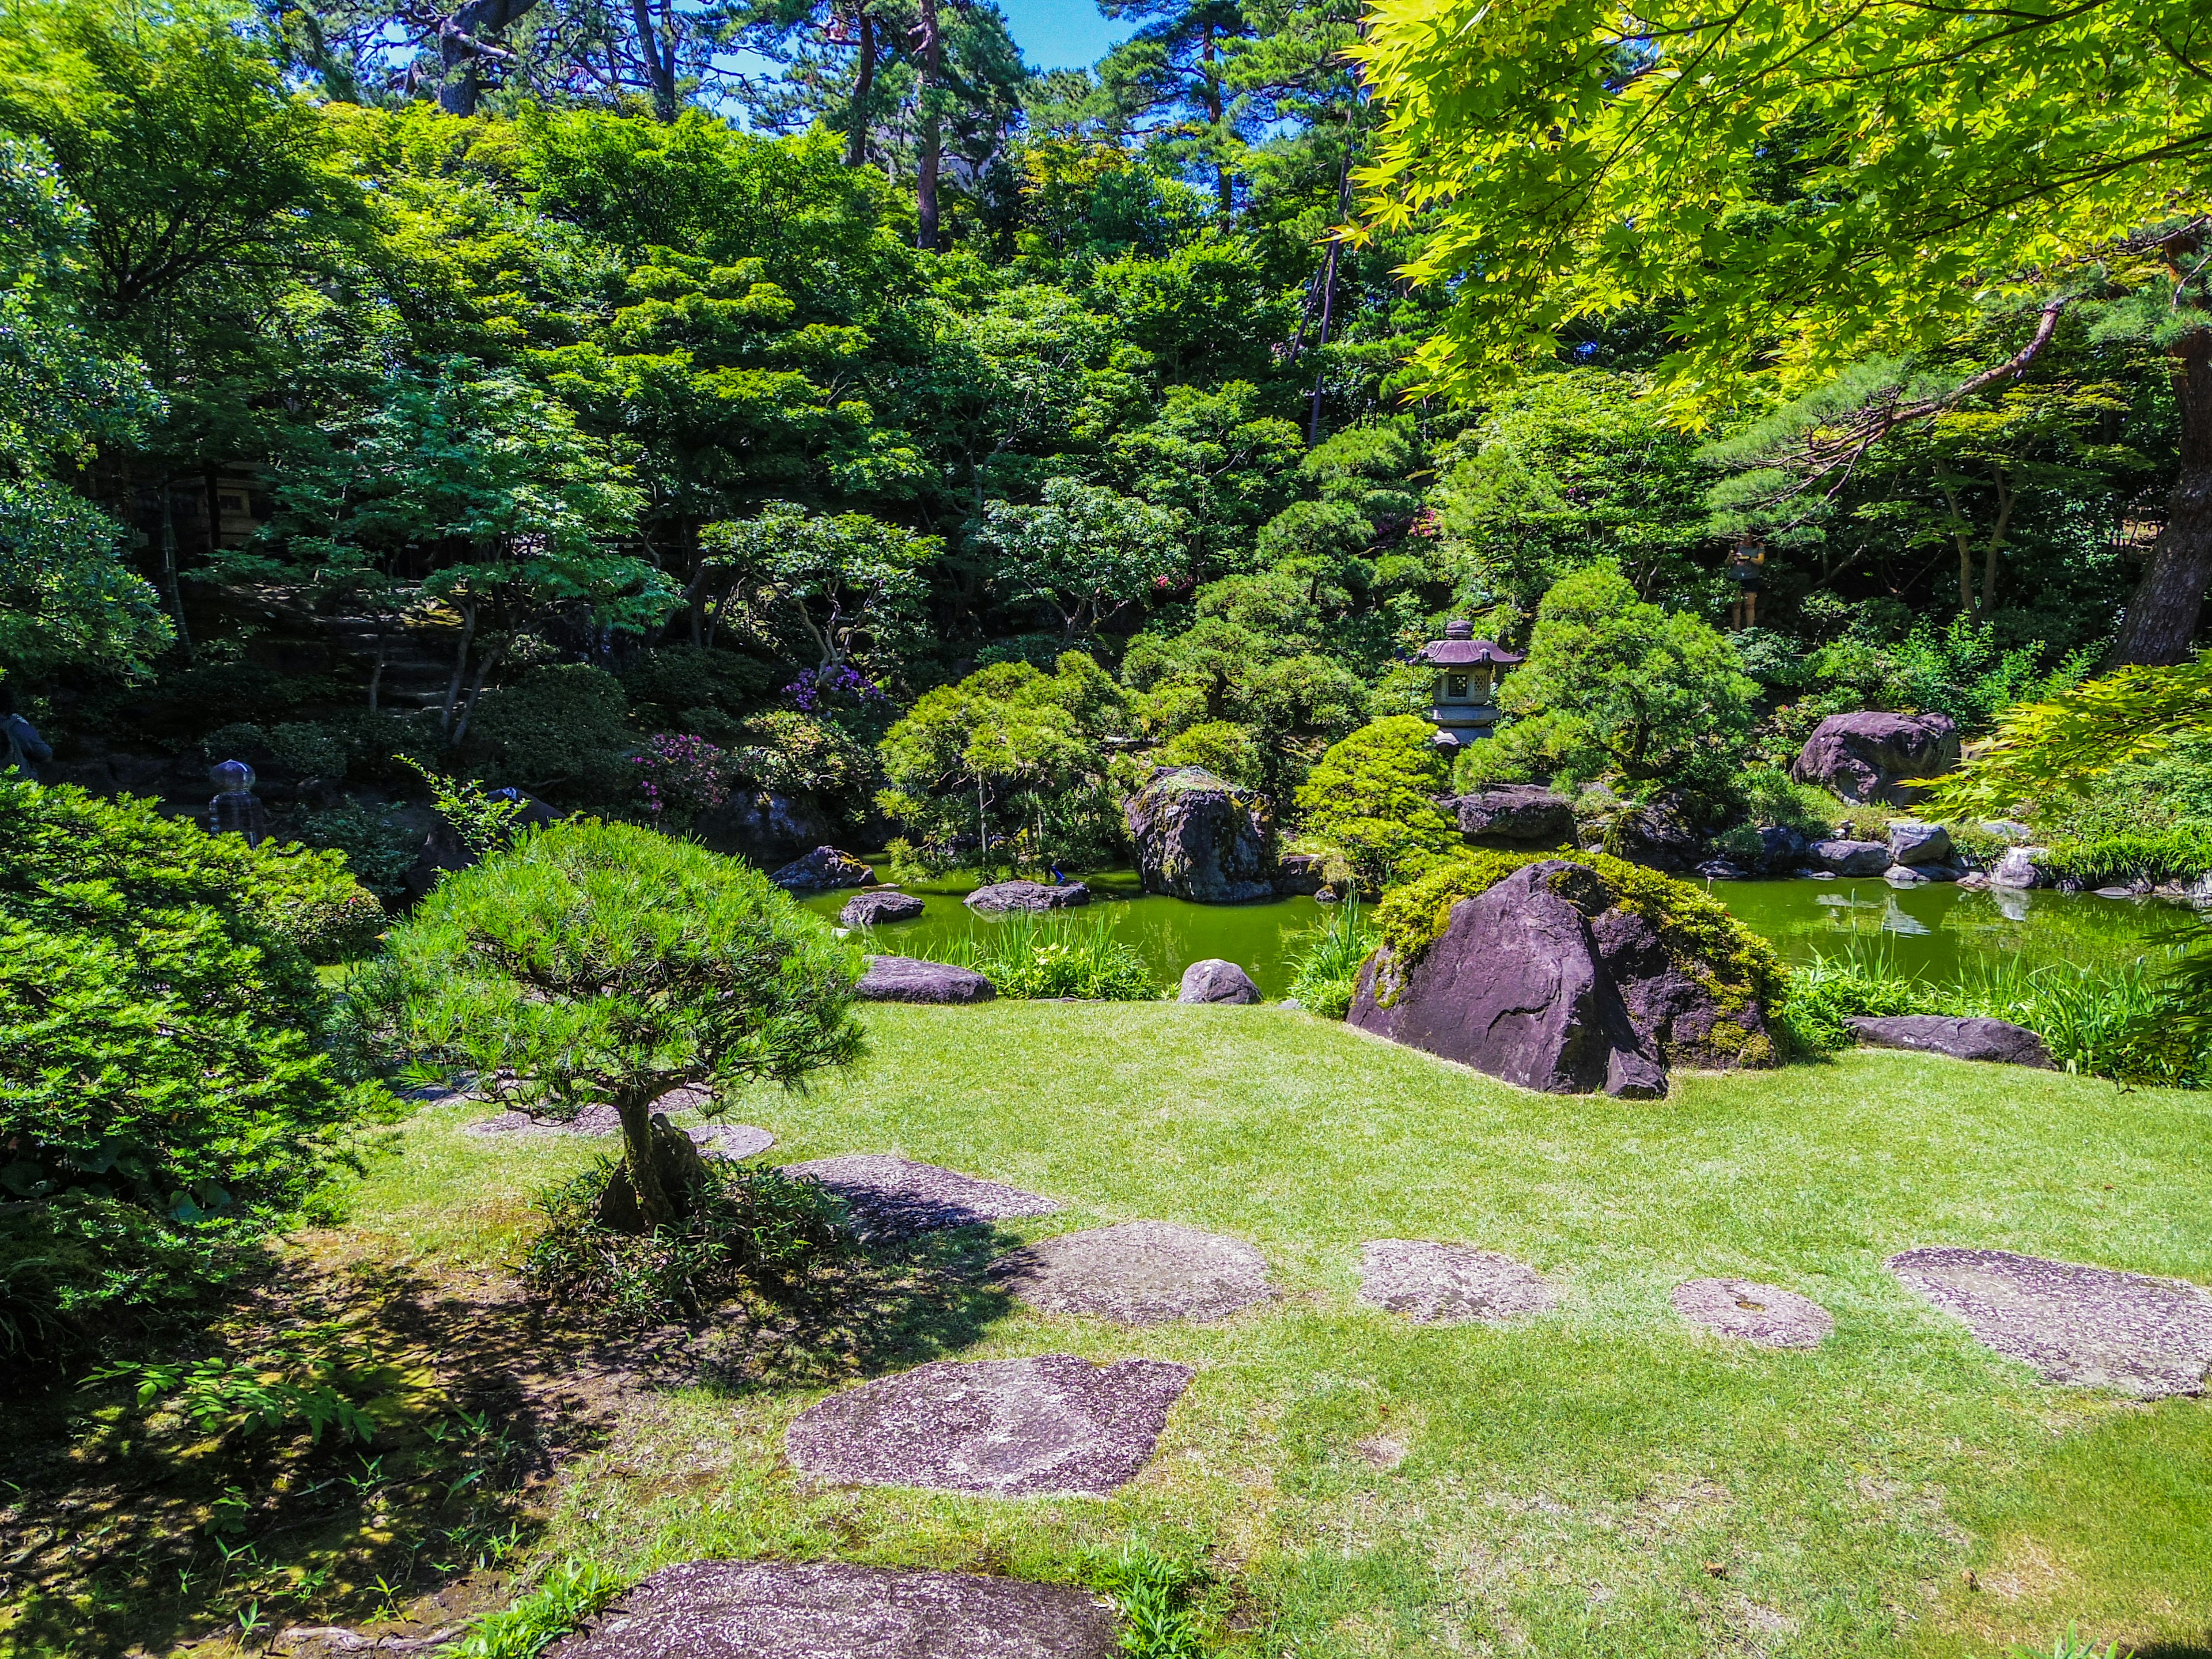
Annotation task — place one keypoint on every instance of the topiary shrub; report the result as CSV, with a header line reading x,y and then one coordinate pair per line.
x,y
165,1092
1372,798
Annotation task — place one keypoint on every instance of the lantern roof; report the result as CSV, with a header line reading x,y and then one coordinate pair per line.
x,y
1459,648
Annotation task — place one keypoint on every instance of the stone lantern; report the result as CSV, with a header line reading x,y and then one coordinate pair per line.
x,y
1467,671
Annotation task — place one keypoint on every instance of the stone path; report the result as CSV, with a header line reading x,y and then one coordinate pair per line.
x,y
1444,1284
2091,1326
1011,1428
891,1197
1765,1315
1141,1272
827,1610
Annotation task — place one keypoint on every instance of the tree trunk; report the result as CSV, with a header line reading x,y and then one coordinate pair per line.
x,y
642,1165
1320,370
1221,180
460,667
489,661
660,62
2162,617
376,674
864,87
933,129
170,575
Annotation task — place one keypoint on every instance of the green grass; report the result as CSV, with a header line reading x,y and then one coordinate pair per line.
x,y
1598,1482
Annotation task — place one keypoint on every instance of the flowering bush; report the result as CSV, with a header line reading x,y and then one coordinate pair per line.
x,y
819,690
681,776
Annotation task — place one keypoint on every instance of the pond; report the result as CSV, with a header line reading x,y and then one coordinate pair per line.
x,y
1937,930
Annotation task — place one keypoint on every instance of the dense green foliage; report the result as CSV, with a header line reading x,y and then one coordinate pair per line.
x,y
1025,956
165,1091
1371,798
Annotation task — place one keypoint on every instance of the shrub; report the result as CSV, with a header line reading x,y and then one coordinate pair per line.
x,y
561,727
377,845
1028,957
1326,960
1741,843
747,1229
681,777
1372,798
1769,795
597,964
689,688
1864,820
164,1086
2181,853
1222,747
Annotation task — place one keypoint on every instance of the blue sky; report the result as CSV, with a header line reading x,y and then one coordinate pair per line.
x,y
1061,33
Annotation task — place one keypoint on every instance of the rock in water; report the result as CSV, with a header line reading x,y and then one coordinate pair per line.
x,y
1961,1039
1141,1272
1517,816
1299,874
2095,1327
1765,1315
1916,843
891,1197
1013,1428
823,870
1198,837
1516,987
828,1610
1875,756
909,979
1446,1284
1851,858
1032,896
2018,867
1216,981
885,904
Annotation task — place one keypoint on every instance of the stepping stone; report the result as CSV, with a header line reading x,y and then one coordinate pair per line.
x,y
592,1121
827,1610
1446,1283
910,979
1013,1428
2095,1327
890,1196
1765,1315
733,1140
1141,1272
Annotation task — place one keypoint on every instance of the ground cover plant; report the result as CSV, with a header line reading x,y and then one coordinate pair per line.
x,y
1343,1483
1028,956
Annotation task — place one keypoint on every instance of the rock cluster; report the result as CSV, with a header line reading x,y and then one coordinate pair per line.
x,y
822,870
1199,837
1874,757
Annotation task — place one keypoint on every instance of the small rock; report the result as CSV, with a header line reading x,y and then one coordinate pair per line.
x,y
1032,896
1911,841
2118,892
1780,849
1216,981
1446,1283
729,1140
1906,875
2007,829
891,1197
1140,1272
1723,870
1765,1315
2019,867
829,1610
1013,1428
885,904
909,979
822,870
1327,896
1298,874
1961,1039
1851,858
2094,1326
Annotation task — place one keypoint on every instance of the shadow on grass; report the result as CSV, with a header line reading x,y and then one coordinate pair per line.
x,y
121,1530
2175,1649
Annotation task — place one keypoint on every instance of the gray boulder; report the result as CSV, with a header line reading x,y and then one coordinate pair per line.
x,y
875,908
1851,858
1198,837
1299,874
1961,1039
1216,981
1906,875
909,979
822,870
1517,987
1780,847
1516,817
1875,756
1031,895
1655,837
2018,867
1723,870
1911,841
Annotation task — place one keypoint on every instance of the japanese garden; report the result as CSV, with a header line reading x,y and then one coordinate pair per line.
x,y
921,830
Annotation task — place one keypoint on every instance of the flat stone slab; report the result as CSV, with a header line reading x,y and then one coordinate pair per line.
x,y
729,1140
1765,1315
1446,1283
1992,1040
2095,1327
827,1610
890,1196
1140,1272
1013,1428
592,1121
910,979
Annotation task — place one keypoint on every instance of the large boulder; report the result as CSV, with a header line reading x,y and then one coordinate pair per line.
x,y
1780,848
1961,1039
1911,841
1216,981
909,979
1849,857
1519,817
1657,837
1033,896
1874,757
822,870
1198,837
873,909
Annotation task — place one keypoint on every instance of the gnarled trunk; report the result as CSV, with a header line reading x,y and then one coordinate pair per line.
x,y
864,87
2162,617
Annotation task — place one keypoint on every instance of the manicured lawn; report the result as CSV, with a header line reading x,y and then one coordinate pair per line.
x,y
1598,1480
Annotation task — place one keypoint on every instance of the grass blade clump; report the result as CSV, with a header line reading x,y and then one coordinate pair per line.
x,y
1028,957
1327,958
570,1593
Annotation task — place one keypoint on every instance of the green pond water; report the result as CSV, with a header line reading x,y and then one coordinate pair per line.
x,y
1937,930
